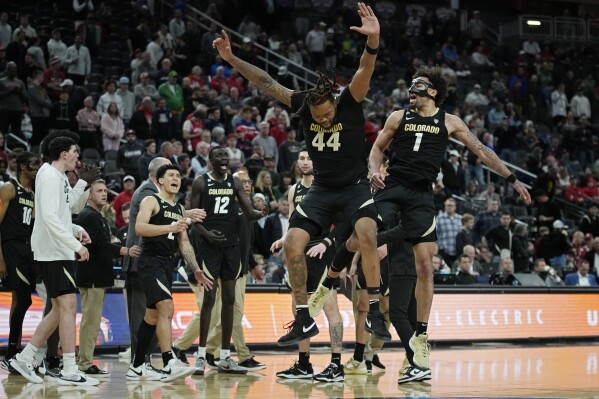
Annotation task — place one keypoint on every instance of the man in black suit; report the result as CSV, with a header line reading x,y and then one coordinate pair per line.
x,y
277,223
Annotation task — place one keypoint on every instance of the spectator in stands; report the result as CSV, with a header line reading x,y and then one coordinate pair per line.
x,y
586,134
316,43
78,62
155,50
276,223
476,98
39,106
109,97
448,226
555,245
236,156
475,265
144,160
112,127
122,198
296,56
3,59
453,173
127,98
194,126
13,94
197,77
288,150
248,28
465,235
590,222
546,273
582,278
450,51
128,155
208,53
145,89
486,220
531,47
89,121
522,249
480,61
559,102
184,162
505,276
490,194
37,53
264,185
579,247
255,163
266,141
62,115
591,191
476,28
463,276
165,39
141,120
499,238
28,30
580,104
287,80
496,115
172,93
200,163
77,93
592,257
439,265
163,122
176,26
5,30
56,47
547,210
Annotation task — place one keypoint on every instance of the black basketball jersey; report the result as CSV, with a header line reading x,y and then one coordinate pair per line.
x,y
339,153
164,245
218,200
418,148
18,222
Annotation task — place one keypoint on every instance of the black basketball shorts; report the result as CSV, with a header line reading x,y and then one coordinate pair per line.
x,y
59,277
321,204
417,211
156,275
20,265
219,262
383,284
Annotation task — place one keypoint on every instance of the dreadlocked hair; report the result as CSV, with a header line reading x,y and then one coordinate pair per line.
x,y
325,88
436,77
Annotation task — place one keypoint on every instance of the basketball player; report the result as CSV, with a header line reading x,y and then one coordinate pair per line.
x,y
418,138
54,241
218,244
320,252
17,269
334,132
163,229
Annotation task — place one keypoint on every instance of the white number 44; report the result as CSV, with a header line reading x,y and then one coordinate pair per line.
x,y
333,141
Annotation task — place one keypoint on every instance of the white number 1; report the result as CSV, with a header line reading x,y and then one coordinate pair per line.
x,y
418,141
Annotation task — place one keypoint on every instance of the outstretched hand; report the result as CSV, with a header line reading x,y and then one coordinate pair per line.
x,y
370,23
524,194
223,46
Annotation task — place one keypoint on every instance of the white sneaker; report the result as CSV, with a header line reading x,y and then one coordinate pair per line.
x,y
318,299
145,372
354,367
230,366
25,369
419,344
78,378
126,353
176,369
200,366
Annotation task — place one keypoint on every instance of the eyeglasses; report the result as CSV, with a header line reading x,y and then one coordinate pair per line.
x,y
247,182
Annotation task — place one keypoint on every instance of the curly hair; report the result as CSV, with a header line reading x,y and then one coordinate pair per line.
x,y
436,77
322,92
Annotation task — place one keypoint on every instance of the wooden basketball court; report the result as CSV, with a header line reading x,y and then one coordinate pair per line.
x,y
484,370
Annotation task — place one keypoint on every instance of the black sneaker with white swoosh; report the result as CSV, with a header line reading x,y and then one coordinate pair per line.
x,y
414,374
299,329
297,372
375,325
332,373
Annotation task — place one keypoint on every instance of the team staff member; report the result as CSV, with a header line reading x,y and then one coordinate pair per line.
x,y
334,133
95,275
218,249
54,241
418,138
17,270
163,229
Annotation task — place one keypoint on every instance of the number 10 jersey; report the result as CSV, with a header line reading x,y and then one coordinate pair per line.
x,y
18,222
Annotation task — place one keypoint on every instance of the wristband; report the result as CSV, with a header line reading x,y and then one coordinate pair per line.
x,y
511,178
371,51
128,249
326,243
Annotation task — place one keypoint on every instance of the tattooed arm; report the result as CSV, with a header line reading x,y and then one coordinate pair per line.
x,y
252,73
458,128
190,258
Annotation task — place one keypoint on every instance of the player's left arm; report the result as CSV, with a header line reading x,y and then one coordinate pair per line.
x,y
244,203
370,27
7,194
458,128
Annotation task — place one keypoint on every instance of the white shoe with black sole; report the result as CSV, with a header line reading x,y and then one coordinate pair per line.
x,y
77,378
25,369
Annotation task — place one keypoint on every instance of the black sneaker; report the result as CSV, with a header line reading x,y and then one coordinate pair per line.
x,y
52,374
297,372
211,362
332,373
252,364
180,354
368,365
414,374
377,362
53,362
94,371
299,330
375,325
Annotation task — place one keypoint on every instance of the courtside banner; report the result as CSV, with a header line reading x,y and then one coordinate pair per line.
x,y
476,316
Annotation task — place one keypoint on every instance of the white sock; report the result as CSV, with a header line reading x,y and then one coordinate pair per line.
x,y
28,354
41,354
201,352
225,354
69,364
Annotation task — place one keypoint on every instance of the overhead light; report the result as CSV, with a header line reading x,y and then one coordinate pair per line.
x,y
533,22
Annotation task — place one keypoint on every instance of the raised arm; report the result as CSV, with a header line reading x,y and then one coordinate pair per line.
x,y
252,73
457,127
370,27
375,160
